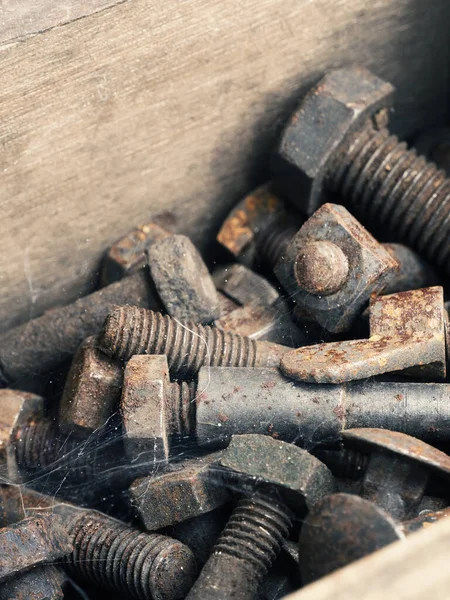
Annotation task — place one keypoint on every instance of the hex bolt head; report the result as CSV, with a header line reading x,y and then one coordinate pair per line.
x,y
321,268
32,542
194,488
92,390
341,102
277,480
340,529
337,142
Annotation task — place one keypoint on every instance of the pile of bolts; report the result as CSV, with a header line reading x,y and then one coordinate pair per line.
x,y
243,432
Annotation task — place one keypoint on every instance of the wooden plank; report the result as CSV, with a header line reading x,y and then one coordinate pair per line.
x,y
155,106
21,18
414,569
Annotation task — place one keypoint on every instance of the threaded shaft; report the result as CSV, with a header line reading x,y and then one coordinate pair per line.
x,y
254,533
181,404
38,445
347,463
129,330
120,558
272,243
386,183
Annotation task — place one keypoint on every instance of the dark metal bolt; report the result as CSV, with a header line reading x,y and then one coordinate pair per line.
x,y
123,559
129,330
47,341
395,467
226,402
338,140
279,480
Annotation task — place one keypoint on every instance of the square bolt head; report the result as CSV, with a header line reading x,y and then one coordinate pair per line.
x,y
16,410
254,213
183,281
92,390
299,478
193,489
144,409
366,266
340,103
128,254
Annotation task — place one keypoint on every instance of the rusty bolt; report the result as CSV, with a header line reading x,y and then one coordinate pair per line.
x,y
44,343
129,330
32,542
91,392
258,229
354,528
277,481
321,268
225,402
111,554
31,443
349,525
129,254
193,489
183,281
407,330
337,140
397,470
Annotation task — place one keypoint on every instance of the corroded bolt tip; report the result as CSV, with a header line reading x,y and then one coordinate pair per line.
x,y
321,268
140,565
129,330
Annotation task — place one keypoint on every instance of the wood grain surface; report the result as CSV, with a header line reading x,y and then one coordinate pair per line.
x,y
149,107
414,569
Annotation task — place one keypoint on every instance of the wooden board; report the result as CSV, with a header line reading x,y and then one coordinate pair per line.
x,y
147,106
414,569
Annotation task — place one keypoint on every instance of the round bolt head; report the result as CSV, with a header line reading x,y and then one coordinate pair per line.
x,y
144,410
340,529
259,460
341,102
183,281
17,409
321,268
400,444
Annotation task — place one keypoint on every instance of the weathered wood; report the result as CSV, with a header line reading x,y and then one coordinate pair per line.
x,y
414,569
154,106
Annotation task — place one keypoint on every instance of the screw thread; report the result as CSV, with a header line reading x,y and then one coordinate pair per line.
x,y
386,182
347,463
38,445
181,403
272,243
254,533
119,558
129,330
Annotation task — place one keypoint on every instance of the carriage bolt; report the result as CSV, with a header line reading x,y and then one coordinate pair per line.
x,y
337,140
354,528
277,481
332,266
408,332
129,331
394,468
225,402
